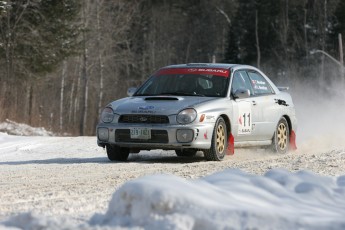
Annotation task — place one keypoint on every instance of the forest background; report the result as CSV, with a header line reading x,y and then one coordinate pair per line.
x,y
62,61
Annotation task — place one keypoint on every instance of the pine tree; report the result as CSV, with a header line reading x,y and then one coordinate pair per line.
x,y
37,35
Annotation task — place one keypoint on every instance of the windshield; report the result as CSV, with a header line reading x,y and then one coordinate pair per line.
x,y
185,84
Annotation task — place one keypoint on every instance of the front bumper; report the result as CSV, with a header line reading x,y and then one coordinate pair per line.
x,y
162,136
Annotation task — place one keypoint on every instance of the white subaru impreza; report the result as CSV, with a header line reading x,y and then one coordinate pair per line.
x,y
212,108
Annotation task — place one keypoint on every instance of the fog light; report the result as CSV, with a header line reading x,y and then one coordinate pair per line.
x,y
103,134
184,135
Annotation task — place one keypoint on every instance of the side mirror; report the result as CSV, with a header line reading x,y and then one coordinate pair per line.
x,y
281,88
131,91
241,93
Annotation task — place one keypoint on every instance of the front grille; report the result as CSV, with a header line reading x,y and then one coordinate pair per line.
x,y
157,136
143,118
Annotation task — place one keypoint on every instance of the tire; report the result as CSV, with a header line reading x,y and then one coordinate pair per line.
x,y
116,153
186,152
218,143
281,137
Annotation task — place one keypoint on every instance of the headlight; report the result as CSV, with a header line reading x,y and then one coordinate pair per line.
x,y
107,115
186,116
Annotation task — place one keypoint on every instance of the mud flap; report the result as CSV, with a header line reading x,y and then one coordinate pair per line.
x,y
231,145
293,140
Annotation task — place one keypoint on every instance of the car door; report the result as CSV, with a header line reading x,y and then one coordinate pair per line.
x,y
243,109
265,108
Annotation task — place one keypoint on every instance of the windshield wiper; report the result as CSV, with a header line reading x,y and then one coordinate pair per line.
x,y
180,93
145,94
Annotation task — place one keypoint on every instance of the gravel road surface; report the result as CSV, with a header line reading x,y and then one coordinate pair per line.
x,y
71,176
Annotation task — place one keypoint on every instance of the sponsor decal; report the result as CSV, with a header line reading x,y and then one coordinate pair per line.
x,y
257,82
259,85
210,118
143,111
205,135
213,71
146,107
210,70
244,118
196,134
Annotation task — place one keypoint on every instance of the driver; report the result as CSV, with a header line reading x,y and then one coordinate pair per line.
x,y
187,84
218,85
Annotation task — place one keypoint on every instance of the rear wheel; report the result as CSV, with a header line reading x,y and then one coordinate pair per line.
x,y
281,138
186,152
218,143
116,153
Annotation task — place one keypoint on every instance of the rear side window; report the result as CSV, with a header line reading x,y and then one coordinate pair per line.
x,y
259,84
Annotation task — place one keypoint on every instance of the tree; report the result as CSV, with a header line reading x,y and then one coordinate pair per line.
x,y
35,36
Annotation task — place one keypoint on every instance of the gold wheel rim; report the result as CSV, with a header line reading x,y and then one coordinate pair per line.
x,y
282,136
220,139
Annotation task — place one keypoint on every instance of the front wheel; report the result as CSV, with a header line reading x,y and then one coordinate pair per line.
x,y
281,138
218,142
116,153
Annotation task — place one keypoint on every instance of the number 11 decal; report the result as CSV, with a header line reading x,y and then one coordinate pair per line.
x,y
245,118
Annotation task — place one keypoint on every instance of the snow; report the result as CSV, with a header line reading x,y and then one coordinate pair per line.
x,y
230,199
227,199
67,183
14,128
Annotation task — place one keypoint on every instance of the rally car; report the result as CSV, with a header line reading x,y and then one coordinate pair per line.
x,y
212,108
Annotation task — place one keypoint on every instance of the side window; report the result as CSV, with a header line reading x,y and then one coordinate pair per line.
x,y
259,84
241,81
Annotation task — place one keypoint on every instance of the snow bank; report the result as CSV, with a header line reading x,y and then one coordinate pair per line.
x,y
13,128
230,199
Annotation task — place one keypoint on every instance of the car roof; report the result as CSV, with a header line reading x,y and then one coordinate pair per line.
x,y
208,65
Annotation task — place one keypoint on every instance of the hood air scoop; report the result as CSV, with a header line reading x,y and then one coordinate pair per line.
x,y
161,99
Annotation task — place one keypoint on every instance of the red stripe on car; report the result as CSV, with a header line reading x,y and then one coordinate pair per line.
x,y
211,71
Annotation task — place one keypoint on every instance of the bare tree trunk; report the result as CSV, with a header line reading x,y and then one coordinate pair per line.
x,y
84,78
9,32
63,76
71,103
29,103
286,30
305,34
341,59
257,40
188,48
323,44
76,100
100,60
85,91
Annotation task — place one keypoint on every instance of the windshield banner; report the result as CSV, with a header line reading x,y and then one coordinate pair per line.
x,y
211,71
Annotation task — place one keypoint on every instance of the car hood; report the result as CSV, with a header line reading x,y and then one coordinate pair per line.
x,y
165,105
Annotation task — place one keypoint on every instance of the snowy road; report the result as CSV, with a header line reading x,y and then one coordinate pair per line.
x,y
71,176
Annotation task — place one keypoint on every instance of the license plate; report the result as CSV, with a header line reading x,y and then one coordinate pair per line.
x,y
140,133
